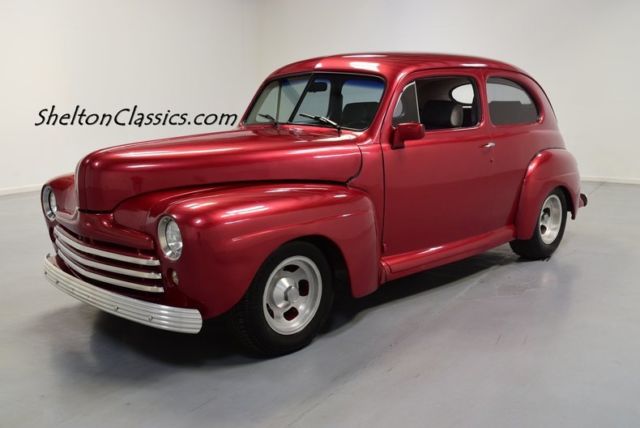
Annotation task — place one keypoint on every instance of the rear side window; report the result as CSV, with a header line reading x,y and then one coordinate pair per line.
x,y
509,103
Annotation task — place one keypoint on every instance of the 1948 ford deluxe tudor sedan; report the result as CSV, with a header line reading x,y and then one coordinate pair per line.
x,y
345,171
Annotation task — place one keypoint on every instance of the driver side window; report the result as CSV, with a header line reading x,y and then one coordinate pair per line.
x,y
406,109
439,102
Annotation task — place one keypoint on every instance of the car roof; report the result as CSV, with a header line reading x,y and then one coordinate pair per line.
x,y
390,64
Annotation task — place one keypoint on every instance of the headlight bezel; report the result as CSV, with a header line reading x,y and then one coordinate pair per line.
x,y
170,246
49,203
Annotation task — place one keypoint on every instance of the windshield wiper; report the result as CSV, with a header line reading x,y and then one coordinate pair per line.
x,y
322,119
269,117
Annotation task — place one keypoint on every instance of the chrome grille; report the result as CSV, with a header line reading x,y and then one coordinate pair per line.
x,y
136,272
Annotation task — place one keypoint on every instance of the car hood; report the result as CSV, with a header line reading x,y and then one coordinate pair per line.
x,y
107,177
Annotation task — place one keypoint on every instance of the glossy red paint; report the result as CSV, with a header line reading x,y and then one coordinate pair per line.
x,y
549,169
112,175
230,230
384,212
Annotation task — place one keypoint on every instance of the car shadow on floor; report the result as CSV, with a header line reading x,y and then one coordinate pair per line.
x,y
346,309
213,344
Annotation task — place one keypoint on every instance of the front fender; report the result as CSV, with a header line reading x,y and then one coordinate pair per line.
x,y
228,232
547,170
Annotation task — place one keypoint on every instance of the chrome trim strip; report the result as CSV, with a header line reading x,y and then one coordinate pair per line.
x,y
94,264
164,317
107,254
108,280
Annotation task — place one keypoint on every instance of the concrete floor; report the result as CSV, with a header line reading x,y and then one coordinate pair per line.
x,y
490,341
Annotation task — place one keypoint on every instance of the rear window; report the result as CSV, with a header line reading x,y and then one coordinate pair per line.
x,y
509,103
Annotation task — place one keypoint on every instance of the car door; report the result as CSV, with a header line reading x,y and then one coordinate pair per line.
x,y
437,188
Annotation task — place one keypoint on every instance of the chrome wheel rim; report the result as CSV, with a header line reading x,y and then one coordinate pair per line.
x,y
292,295
550,219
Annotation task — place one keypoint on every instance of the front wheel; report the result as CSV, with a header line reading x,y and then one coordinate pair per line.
x,y
549,229
287,302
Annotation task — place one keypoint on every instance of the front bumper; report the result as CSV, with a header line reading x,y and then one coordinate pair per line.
x,y
164,317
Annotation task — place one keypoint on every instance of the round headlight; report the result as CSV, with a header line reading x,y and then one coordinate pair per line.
x,y
170,238
49,204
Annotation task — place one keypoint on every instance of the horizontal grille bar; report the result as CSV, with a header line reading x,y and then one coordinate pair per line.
x,y
74,243
77,257
106,279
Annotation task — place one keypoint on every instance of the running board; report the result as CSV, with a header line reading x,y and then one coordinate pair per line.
x,y
400,265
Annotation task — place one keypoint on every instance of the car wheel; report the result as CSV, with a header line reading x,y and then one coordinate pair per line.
x,y
549,229
287,302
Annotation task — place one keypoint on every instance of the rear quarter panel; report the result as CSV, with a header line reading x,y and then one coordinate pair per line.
x,y
516,146
549,169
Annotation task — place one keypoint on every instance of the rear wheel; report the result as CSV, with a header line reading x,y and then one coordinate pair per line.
x,y
549,229
287,302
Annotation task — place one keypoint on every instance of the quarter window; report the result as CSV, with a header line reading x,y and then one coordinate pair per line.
x,y
406,109
509,103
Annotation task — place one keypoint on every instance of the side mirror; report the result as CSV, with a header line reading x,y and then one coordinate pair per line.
x,y
406,131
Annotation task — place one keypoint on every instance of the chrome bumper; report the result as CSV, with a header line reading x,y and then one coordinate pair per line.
x,y
152,314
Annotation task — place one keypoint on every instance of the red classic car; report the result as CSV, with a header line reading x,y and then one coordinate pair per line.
x,y
345,172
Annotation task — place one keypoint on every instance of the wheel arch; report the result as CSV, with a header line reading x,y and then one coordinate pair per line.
x,y
335,256
548,170
571,207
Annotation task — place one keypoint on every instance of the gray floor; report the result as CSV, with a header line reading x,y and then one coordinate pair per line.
x,y
490,341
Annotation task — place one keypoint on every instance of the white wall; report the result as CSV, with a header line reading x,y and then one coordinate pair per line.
x,y
192,56
585,54
209,56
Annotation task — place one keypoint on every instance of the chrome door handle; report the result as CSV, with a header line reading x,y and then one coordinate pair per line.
x,y
489,145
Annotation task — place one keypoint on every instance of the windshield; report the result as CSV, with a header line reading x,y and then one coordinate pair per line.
x,y
348,100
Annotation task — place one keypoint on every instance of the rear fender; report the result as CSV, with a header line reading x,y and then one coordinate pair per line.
x,y
547,170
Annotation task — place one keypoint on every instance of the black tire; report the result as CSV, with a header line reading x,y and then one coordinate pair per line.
x,y
536,248
248,319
